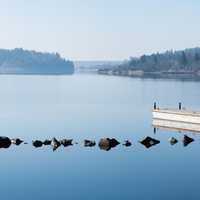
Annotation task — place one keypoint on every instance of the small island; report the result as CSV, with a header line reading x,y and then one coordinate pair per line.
x,y
170,63
20,61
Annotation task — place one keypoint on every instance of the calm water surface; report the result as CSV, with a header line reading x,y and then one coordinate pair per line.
x,y
91,107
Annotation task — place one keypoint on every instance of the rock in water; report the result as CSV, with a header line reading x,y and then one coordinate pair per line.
x,y
37,143
107,143
55,144
127,143
173,140
187,140
47,142
149,142
113,142
16,141
89,143
104,144
66,142
5,142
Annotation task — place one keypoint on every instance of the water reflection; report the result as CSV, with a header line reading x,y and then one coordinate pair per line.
x,y
180,127
175,126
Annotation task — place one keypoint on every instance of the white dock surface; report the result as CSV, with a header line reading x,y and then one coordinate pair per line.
x,y
177,115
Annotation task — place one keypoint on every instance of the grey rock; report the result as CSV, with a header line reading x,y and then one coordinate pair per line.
x,y
173,141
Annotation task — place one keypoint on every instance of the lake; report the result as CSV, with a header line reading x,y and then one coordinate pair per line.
x,y
92,107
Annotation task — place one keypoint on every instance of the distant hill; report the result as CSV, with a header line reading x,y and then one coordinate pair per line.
x,y
170,62
20,61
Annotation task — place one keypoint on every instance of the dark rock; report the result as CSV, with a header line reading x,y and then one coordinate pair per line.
x,y
187,140
47,142
113,142
107,143
55,144
37,143
127,143
89,143
16,141
66,142
5,142
149,142
173,140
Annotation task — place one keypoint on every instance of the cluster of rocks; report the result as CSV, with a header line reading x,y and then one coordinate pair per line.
x,y
6,142
149,142
104,143
54,143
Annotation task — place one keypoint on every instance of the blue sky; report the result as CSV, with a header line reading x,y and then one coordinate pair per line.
x,y
100,29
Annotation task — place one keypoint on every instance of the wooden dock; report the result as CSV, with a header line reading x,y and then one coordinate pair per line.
x,y
180,120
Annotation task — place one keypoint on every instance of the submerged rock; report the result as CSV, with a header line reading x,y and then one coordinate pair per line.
x,y
107,143
47,142
89,143
66,142
5,142
149,142
37,143
16,141
187,140
127,143
55,144
173,141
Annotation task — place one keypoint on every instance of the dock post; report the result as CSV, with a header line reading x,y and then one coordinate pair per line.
x,y
180,106
154,106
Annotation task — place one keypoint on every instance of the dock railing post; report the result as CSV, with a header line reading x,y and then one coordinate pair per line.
x,y
154,106
180,106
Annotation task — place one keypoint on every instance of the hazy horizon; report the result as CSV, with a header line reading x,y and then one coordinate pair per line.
x,y
100,30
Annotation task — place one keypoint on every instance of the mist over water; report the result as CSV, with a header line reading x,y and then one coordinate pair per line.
x,y
92,107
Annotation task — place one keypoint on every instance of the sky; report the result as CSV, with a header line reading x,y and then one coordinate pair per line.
x,y
100,29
